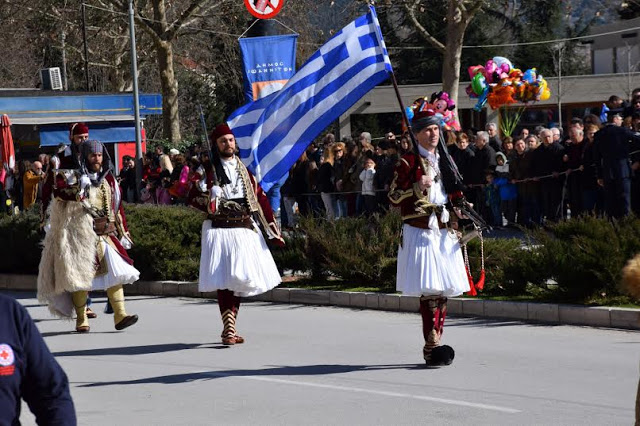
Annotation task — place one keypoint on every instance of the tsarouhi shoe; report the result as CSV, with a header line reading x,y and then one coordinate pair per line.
x,y
127,321
441,355
91,314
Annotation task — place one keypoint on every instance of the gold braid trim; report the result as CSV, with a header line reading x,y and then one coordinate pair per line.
x,y
396,196
252,199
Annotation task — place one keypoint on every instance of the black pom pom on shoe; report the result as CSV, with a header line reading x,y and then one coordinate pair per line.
x,y
441,355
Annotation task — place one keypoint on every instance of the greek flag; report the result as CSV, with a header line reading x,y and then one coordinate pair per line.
x,y
272,132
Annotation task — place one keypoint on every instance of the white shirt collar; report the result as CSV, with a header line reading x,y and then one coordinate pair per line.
x,y
426,154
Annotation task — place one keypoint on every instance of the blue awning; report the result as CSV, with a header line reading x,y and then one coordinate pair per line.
x,y
106,132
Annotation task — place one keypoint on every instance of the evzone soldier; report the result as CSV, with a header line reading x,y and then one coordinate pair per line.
x,y
430,261
235,260
68,158
85,247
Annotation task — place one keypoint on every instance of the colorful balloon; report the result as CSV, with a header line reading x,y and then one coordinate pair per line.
x,y
545,95
503,63
475,69
479,84
482,100
529,75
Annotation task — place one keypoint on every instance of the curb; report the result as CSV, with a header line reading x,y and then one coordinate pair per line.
x,y
546,313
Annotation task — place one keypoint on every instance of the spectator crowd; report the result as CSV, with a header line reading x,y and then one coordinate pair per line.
x,y
541,174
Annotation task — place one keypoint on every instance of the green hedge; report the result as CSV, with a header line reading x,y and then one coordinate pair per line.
x,y
577,261
20,239
166,241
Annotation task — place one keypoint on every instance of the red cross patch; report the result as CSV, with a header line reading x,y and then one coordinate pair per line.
x,y
7,360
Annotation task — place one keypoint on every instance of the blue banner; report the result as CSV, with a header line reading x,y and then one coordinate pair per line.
x,y
268,62
105,132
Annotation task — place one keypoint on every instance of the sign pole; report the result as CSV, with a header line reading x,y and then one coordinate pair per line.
x,y
136,101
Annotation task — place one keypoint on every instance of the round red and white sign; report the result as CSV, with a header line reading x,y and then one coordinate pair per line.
x,y
264,9
6,355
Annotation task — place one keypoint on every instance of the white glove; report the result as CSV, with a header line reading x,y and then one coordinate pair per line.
x,y
126,243
84,182
216,191
202,185
71,178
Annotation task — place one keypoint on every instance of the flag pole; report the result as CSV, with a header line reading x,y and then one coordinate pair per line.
x,y
414,141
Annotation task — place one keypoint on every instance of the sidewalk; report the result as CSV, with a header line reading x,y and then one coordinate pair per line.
x,y
549,313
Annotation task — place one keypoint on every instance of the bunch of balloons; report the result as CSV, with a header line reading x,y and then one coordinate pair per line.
x,y
499,83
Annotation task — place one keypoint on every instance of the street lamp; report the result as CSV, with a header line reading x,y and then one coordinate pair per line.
x,y
560,48
136,100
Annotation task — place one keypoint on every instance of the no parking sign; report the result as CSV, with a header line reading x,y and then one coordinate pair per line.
x,y
264,9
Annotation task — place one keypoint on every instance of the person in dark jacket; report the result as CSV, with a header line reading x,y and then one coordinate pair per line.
x,y
385,166
612,147
484,160
548,161
494,139
576,145
592,193
520,172
29,372
463,156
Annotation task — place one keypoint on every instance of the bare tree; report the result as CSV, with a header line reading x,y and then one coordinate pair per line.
x,y
460,13
163,20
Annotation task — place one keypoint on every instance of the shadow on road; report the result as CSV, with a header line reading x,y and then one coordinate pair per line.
x,y
130,350
461,321
303,370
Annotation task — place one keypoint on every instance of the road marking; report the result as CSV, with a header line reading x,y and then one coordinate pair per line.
x,y
374,392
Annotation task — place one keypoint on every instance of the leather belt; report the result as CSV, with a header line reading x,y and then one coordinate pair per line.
x,y
102,226
218,221
423,222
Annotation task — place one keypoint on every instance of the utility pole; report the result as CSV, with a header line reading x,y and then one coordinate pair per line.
x,y
64,62
628,70
560,47
136,100
86,48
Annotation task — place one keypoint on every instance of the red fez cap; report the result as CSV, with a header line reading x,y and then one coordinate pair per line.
x,y
78,129
220,130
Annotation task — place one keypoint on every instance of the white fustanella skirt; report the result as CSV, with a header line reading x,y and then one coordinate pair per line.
x,y
236,259
118,270
430,262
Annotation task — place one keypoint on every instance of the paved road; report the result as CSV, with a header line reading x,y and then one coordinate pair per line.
x,y
324,365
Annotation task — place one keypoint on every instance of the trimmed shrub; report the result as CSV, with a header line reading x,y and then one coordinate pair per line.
x,y
585,256
293,256
166,241
20,239
503,260
358,250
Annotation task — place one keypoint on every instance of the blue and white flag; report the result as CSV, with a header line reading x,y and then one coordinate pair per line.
x,y
273,132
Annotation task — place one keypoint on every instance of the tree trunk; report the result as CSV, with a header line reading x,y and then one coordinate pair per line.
x,y
456,27
169,84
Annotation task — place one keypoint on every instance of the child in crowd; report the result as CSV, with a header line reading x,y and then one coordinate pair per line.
x,y
368,193
492,199
507,190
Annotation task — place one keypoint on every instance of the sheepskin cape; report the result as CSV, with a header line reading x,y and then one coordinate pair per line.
x,y
68,257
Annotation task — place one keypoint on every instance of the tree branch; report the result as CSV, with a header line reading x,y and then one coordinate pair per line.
x,y
410,9
178,23
469,13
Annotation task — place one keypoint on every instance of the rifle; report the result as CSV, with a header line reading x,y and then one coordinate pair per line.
x,y
208,146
